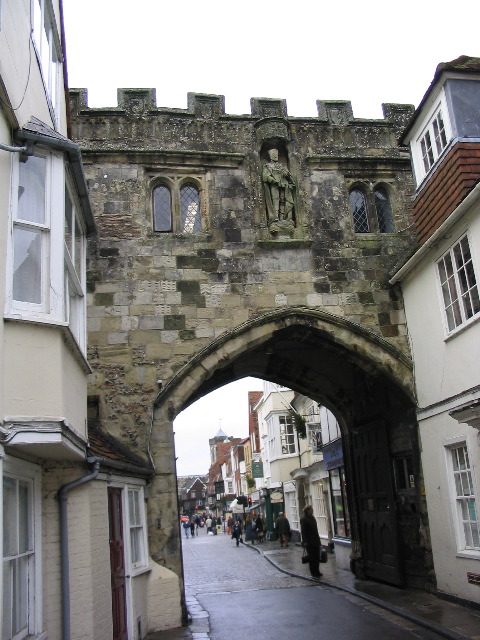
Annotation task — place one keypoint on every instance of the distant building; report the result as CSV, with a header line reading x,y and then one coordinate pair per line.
x,y
193,497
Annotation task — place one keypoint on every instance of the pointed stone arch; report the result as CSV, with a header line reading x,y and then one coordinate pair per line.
x,y
237,353
349,368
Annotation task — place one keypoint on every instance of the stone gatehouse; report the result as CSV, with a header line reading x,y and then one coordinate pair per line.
x,y
259,244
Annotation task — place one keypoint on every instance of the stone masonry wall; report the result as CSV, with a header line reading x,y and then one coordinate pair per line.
x,y
156,299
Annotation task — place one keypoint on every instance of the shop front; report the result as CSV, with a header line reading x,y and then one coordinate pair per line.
x,y
334,464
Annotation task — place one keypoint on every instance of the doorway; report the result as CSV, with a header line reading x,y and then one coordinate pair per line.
x,y
117,564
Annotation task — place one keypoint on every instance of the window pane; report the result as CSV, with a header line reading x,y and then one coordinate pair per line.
x,y
465,498
68,222
7,603
24,527
10,541
427,153
135,545
359,212
27,265
384,211
134,507
20,595
78,242
439,132
31,190
190,209
162,209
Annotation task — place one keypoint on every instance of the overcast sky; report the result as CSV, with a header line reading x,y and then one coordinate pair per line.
x,y
368,52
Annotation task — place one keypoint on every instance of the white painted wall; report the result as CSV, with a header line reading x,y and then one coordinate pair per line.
x,y
446,368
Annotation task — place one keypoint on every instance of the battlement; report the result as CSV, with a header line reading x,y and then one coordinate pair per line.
x,y
210,107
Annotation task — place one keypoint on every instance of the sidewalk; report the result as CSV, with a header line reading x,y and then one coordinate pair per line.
x,y
446,618
449,620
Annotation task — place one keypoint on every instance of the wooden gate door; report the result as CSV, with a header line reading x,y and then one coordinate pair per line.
x,y
117,564
376,505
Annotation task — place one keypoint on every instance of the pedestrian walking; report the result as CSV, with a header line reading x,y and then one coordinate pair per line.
x,y
237,532
259,524
208,524
192,527
311,540
250,530
282,527
186,527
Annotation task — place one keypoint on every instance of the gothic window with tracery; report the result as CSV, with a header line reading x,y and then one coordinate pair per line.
x,y
177,206
359,211
371,210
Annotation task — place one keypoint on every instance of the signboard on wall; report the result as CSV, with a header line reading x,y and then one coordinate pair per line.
x,y
333,455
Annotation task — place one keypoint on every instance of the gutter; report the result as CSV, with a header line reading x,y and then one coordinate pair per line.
x,y
7,147
456,214
60,143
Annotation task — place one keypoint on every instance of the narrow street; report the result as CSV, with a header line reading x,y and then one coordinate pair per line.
x,y
235,592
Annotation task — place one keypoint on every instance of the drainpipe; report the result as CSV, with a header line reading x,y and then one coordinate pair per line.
x,y
63,498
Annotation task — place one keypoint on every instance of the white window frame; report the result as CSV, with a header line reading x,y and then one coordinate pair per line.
x,y
137,529
47,46
271,439
75,270
291,507
439,108
456,499
320,508
455,284
21,470
287,435
63,286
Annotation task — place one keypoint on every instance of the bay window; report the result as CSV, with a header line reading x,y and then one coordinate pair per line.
x,y
47,246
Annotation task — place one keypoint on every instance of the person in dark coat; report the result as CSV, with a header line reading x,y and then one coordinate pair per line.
x,y
237,532
260,528
311,540
251,530
282,527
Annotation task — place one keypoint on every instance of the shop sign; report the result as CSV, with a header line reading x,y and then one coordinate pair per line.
x,y
257,469
276,496
333,455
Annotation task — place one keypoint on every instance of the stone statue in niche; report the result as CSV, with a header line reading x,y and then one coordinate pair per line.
x,y
280,190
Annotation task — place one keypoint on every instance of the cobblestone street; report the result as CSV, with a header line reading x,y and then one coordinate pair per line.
x,y
223,565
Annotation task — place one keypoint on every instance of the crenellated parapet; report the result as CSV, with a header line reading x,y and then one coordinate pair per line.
x,y
210,106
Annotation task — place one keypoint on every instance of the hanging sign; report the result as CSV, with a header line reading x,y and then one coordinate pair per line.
x,y
257,469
